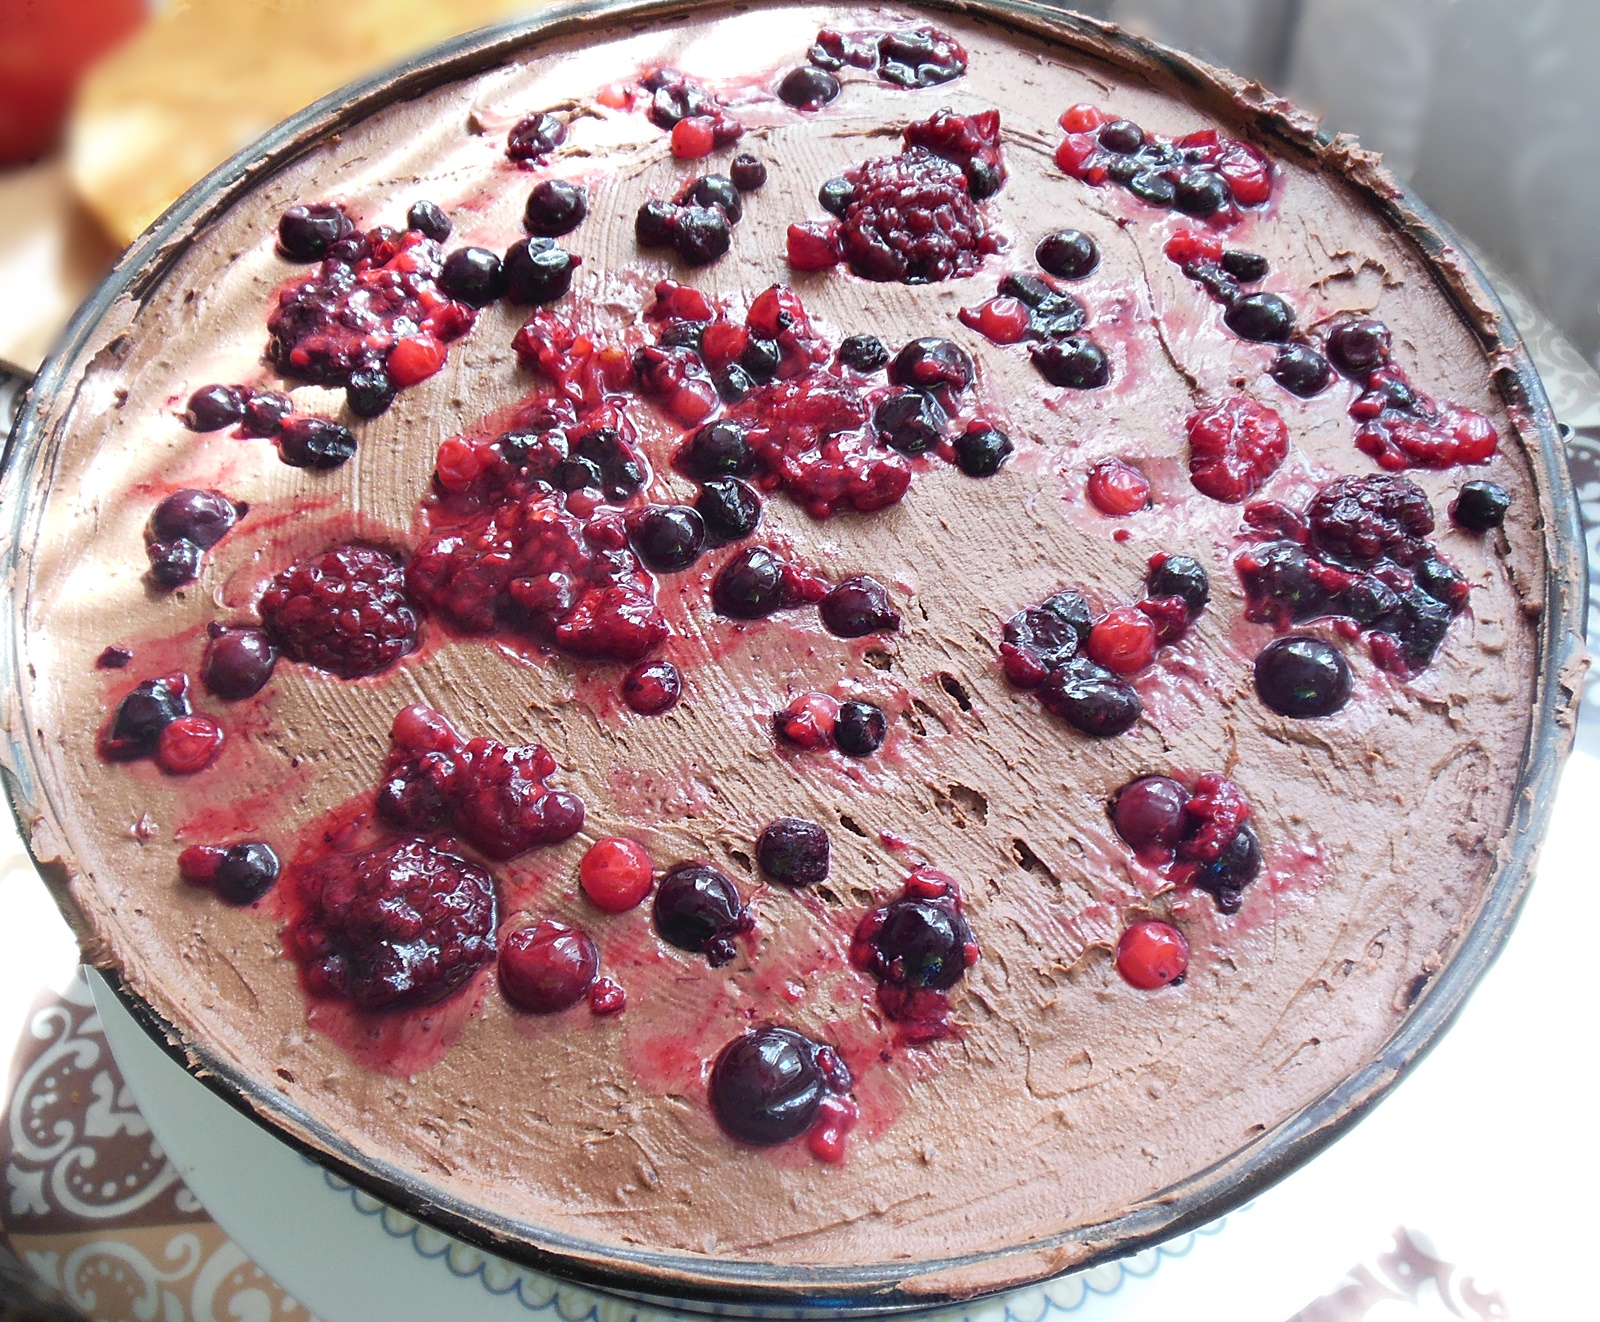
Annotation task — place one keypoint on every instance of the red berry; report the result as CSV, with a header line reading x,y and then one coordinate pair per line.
x,y
344,611
722,342
606,997
1117,488
198,864
1151,814
1123,641
693,138
814,245
808,721
1004,320
616,874
1234,447
911,218
675,302
189,744
1193,246
1082,118
652,687
414,359
1152,954
547,967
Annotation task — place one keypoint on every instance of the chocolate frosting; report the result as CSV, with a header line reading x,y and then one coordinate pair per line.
x,y
1068,1096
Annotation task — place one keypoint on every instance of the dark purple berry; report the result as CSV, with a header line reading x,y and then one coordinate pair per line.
x,y
472,276
729,508
312,442
701,235
237,663
863,353
537,271
1147,185
1424,621
555,207
535,137
716,190
859,729
245,872
980,451
747,172
1246,266
1443,582
767,1086
794,852
202,517
141,716
931,363
749,586
265,412
1302,676
835,196
911,422
305,232
808,88
656,224
1069,254
922,943
717,449
858,606
1091,700
1301,370
211,408
668,537
1480,506
1075,362
1149,813
699,910
369,392
1180,576
428,220
682,335
1235,868
620,471
173,563
733,383
1122,136
1200,192
1262,317
760,358
1358,345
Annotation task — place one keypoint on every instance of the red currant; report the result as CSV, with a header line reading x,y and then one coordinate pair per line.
x,y
1152,954
1117,488
616,874
1123,641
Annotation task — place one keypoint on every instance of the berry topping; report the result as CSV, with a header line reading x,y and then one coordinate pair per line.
x,y
1202,174
240,874
857,606
808,88
1038,639
1247,267
1117,488
265,412
750,585
305,232
1067,254
1090,699
429,220
497,797
921,940
211,408
693,138
1152,954
1150,814
547,967
1480,506
1360,519
982,449
1074,361
555,207
808,721
1359,345
909,57
698,909
911,422
729,509
859,729
668,537
173,563
237,663
934,365
344,611
189,744
616,874
652,687
1234,447
318,443
201,517
1123,640
794,852
142,715
748,172
1179,576
472,276
674,97
1301,676
863,353
402,924
970,141
718,191
717,449
536,271
769,1085
533,139
813,246
1301,370
1264,317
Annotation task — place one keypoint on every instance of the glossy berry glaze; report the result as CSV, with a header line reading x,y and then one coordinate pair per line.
x,y
918,947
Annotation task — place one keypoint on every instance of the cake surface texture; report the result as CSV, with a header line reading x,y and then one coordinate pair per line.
x,y
925,638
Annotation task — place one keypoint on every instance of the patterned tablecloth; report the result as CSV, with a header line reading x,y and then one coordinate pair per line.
x,y
96,1223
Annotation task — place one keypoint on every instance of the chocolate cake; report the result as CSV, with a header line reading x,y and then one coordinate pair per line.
x,y
791,635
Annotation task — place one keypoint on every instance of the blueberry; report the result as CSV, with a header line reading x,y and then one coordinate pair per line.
x,y
202,517
1075,362
655,224
1480,506
1246,266
911,422
1301,370
369,392
555,207
863,353
472,276
535,137
211,408
1156,189
699,910
808,88
1180,576
245,873
1200,192
717,190
922,943
760,359
668,537
835,196
749,586
981,450
1235,868
1091,700
766,1086
618,467
733,383
1302,676
265,411
682,335
537,271
427,219
931,363
313,442
306,232
859,729
237,663
1122,136
1261,317
794,852
717,449
1069,254
701,235
748,172
141,716
1358,345
174,563
858,606
729,508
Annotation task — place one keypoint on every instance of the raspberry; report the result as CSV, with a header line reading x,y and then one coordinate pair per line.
x,y
1234,447
1218,810
345,611
1118,489
1359,519
813,245
398,925
911,218
969,141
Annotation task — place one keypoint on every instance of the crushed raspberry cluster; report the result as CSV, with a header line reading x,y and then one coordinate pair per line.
x,y
403,924
493,796
675,98
1234,446
906,57
1201,174
345,611
912,218
1197,834
1357,553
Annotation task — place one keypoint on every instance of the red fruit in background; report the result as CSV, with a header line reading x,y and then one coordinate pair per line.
x,y
1152,954
1117,488
1234,447
616,874
44,48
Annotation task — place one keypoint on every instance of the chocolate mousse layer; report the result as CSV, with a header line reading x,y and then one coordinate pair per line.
x,y
1046,1090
